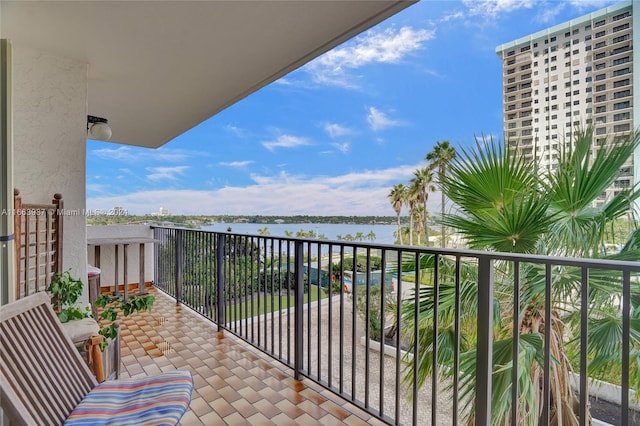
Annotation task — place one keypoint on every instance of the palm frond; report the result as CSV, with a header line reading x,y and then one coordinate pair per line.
x,y
576,184
488,177
530,357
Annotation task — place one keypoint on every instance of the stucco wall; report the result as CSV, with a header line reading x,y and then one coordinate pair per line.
x,y
49,141
107,253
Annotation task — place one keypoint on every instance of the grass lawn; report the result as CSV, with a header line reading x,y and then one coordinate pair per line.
x,y
426,277
268,303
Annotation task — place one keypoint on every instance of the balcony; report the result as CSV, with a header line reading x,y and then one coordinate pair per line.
x,y
233,382
255,355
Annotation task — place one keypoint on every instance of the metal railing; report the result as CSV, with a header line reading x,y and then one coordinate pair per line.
x,y
322,307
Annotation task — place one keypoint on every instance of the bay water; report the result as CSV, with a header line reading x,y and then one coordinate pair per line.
x,y
384,234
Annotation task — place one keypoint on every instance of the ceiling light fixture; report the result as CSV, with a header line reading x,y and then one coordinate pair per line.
x,y
98,128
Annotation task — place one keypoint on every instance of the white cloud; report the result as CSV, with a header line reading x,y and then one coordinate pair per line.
x,y
584,4
547,10
378,120
286,141
493,8
236,131
375,46
344,147
165,173
335,130
97,187
452,16
137,155
356,193
124,153
548,14
238,164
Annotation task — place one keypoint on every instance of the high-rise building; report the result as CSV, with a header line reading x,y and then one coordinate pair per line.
x,y
572,75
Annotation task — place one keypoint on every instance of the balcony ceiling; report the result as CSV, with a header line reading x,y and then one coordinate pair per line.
x,y
158,68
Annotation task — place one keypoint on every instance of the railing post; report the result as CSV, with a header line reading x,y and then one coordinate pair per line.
x,y
484,354
179,256
299,308
220,284
156,257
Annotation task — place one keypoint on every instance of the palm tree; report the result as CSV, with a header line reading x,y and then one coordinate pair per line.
x,y
412,197
440,158
423,178
418,221
396,197
507,205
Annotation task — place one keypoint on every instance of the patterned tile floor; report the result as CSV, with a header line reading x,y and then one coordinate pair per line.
x,y
234,384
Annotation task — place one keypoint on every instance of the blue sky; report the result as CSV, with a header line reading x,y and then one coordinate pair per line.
x,y
334,136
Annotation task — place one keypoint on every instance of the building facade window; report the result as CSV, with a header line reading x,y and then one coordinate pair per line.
x,y
621,38
620,50
622,116
621,61
622,71
622,94
621,105
621,16
620,27
621,83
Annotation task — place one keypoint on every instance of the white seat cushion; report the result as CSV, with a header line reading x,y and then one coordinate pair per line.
x,y
80,330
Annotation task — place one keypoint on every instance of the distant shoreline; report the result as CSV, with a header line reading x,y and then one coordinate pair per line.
x,y
203,220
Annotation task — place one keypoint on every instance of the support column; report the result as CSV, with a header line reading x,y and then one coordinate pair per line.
x,y
7,243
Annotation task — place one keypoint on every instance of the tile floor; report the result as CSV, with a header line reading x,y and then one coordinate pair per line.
x,y
234,383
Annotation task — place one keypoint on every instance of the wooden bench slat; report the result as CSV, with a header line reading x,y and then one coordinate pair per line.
x,y
45,381
43,373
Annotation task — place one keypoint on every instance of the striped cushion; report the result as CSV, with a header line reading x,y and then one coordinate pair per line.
x,y
154,400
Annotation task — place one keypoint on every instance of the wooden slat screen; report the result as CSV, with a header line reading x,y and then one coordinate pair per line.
x,y
38,231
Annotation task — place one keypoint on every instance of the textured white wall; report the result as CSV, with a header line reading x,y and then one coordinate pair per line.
x,y
49,136
107,253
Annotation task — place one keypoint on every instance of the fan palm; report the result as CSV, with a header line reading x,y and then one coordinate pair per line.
x,y
505,204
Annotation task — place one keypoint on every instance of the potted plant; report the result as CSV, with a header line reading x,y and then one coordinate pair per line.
x,y
112,305
80,324
65,291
